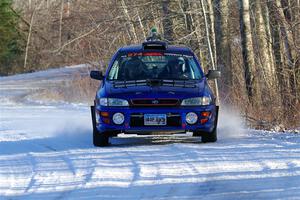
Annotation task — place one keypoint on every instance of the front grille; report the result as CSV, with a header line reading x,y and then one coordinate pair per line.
x,y
137,120
154,102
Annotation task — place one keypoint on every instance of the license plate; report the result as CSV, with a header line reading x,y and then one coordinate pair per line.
x,y
155,119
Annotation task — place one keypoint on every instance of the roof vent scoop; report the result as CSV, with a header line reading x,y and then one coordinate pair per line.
x,y
154,41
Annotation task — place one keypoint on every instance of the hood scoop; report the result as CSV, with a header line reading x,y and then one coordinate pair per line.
x,y
154,82
125,84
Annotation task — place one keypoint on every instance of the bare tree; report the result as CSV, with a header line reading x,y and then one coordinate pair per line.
x,y
131,29
287,63
251,74
210,49
32,18
265,57
223,49
212,29
285,16
167,21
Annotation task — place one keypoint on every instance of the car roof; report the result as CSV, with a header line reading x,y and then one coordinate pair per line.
x,y
169,49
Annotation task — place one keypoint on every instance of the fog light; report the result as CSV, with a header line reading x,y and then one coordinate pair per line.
x,y
191,118
118,118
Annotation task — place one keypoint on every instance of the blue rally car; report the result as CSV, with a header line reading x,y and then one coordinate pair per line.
x,y
154,88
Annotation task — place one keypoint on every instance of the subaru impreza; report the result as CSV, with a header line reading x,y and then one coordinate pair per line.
x,y
154,88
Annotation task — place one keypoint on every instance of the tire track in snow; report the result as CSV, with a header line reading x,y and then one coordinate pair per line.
x,y
136,168
33,173
206,185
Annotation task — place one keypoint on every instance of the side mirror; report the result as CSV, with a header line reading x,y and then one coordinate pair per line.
x,y
96,75
213,74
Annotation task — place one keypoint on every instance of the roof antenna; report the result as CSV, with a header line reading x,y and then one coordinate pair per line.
x,y
154,36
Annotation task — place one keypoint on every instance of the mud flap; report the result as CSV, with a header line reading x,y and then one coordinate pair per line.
x,y
217,116
93,118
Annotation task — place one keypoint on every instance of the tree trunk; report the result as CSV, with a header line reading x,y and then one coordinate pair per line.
x,y
130,26
266,15
268,69
28,39
196,23
167,21
208,36
286,14
212,29
252,86
287,39
210,49
223,50
60,23
277,49
184,5
295,5
141,24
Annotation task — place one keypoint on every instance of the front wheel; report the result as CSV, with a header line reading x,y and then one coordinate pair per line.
x,y
99,139
209,137
206,136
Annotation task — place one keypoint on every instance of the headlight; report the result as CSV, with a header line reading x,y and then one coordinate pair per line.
x,y
113,102
197,101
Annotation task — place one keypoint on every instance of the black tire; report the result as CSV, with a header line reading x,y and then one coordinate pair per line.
x,y
206,137
210,137
99,139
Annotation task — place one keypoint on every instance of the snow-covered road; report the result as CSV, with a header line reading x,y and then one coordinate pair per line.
x,y
46,152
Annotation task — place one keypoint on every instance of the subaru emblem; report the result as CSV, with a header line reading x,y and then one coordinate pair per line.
x,y
155,102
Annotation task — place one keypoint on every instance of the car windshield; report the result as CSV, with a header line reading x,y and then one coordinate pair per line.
x,y
154,65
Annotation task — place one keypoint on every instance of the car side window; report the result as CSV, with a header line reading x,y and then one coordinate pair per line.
x,y
114,71
194,70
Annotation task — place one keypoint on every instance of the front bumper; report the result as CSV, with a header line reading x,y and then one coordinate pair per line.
x,y
176,120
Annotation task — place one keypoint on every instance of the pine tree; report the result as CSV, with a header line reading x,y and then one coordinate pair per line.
x,y
10,38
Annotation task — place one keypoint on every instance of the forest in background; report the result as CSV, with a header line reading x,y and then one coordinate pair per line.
x,y
255,43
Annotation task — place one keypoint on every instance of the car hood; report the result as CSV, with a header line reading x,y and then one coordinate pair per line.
x,y
136,92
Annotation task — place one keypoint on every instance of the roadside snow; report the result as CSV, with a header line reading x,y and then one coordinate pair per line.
x,y
46,152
